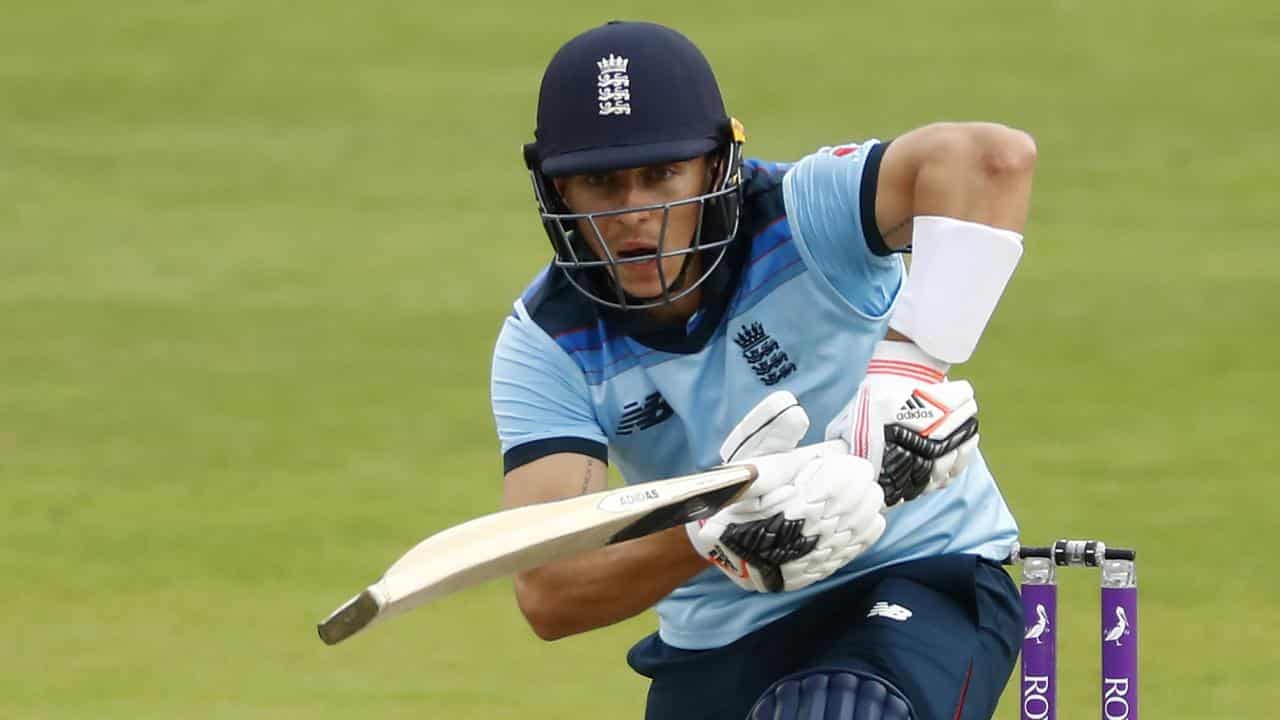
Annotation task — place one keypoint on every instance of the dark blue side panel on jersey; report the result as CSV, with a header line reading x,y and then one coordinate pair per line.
x,y
774,260
774,257
557,307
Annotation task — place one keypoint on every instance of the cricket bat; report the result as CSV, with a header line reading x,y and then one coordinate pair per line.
x,y
515,540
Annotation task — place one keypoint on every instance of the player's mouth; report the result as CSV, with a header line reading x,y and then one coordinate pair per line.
x,y
640,259
633,250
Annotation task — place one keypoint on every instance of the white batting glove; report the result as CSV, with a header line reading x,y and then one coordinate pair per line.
x,y
917,429
809,513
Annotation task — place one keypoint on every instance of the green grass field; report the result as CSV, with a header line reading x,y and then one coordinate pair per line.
x,y
253,258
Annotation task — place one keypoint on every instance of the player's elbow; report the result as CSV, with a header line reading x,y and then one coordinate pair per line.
x,y
547,627
541,609
984,152
1005,153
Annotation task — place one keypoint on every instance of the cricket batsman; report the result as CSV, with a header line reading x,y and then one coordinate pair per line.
x,y
705,308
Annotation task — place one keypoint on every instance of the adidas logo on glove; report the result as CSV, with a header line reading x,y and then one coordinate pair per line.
x,y
914,409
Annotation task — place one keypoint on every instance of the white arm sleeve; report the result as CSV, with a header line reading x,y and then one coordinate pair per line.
x,y
959,270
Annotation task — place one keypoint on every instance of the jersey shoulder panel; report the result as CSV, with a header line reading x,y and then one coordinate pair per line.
x,y
540,398
830,198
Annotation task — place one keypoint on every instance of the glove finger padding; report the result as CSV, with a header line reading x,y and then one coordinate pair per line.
x,y
776,424
776,474
783,532
842,507
767,544
832,516
918,435
913,461
954,463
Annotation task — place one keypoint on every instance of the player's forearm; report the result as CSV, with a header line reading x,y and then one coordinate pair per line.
x,y
605,586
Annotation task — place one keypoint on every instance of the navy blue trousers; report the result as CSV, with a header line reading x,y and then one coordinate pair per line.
x,y
951,656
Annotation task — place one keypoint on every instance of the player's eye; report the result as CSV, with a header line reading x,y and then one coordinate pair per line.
x,y
596,180
665,172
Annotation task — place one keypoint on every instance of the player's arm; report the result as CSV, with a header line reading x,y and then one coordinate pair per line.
x,y
553,448
810,511
958,193
975,172
600,587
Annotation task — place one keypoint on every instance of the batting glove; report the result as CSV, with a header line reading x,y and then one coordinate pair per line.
x,y
809,513
917,429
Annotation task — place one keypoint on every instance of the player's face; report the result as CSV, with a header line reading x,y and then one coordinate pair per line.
x,y
637,233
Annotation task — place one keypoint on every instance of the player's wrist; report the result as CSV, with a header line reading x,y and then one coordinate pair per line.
x,y
904,358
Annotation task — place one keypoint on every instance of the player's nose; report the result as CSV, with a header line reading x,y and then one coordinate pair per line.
x,y
635,196
635,192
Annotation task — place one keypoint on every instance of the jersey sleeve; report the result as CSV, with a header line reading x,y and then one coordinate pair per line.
x,y
541,402
831,203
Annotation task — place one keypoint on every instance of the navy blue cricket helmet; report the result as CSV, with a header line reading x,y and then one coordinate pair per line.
x,y
625,95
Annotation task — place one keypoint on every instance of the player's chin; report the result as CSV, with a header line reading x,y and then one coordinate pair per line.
x,y
643,291
648,289
639,281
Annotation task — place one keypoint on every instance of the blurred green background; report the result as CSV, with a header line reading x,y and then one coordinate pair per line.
x,y
254,256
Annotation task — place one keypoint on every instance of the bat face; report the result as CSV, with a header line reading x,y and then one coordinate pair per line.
x,y
515,540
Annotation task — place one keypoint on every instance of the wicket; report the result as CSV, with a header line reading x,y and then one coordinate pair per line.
x,y
1119,626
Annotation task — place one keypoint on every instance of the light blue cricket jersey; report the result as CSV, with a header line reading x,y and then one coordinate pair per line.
x,y
801,307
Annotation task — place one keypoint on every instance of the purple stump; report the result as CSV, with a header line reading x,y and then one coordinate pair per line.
x,y
1119,641
1040,640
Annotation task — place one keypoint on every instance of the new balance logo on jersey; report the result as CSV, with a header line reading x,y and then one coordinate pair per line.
x,y
892,612
765,356
643,415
